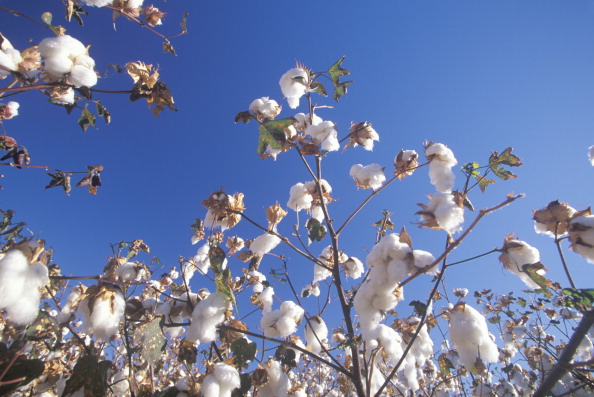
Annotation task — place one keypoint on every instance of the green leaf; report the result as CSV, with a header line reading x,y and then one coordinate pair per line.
x,y
272,134
505,158
494,320
22,368
341,90
445,365
581,299
153,341
336,71
532,272
243,351
86,119
89,373
47,17
316,231
484,182
44,327
319,88
169,392
183,24
223,283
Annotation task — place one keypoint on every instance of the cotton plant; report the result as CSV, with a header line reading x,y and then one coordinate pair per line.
x,y
517,255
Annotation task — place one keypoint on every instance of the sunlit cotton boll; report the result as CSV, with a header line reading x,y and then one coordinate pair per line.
x,y
299,198
82,76
470,335
353,268
8,111
446,212
440,168
264,243
221,382
207,315
264,108
325,134
516,254
316,334
369,176
581,235
294,84
19,286
61,46
104,317
9,59
278,381
97,3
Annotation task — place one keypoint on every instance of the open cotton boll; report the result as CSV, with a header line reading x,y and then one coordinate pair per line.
x,y
58,66
82,76
353,268
278,384
104,317
516,254
299,198
207,315
9,59
265,108
8,111
135,3
316,334
61,46
210,387
470,335
305,120
227,377
265,299
440,169
294,84
324,133
264,243
369,176
98,3
424,258
85,60
129,271
581,235
445,211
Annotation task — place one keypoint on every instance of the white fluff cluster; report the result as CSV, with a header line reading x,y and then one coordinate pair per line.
x,y
9,59
368,177
9,110
581,235
294,84
207,315
264,243
265,299
20,282
130,271
440,169
591,155
103,313
265,108
278,384
421,350
177,310
302,120
324,133
282,322
470,335
518,253
98,3
255,278
66,56
305,196
316,334
389,261
445,211
67,309
220,382
353,268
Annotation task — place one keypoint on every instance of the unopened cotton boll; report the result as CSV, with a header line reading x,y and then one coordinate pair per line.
x,y
470,335
369,176
294,84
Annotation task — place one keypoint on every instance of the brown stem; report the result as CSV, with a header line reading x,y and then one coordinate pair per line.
x,y
20,14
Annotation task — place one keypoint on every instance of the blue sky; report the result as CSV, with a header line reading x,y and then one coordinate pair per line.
x,y
477,76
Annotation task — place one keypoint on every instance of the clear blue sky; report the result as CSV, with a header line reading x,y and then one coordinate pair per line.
x,y
477,76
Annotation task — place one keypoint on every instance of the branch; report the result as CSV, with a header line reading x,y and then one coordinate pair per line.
x,y
563,364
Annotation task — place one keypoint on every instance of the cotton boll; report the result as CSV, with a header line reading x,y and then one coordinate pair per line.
x,y
58,66
82,76
470,335
294,84
445,211
85,60
8,111
24,310
207,315
324,133
305,120
516,254
316,334
97,3
581,235
9,59
73,46
135,3
103,318
265,299
369,176
227,378
424,258
129,271
299,198
265,108
278,382
353,268
440,169
210,387
591,155
264,243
